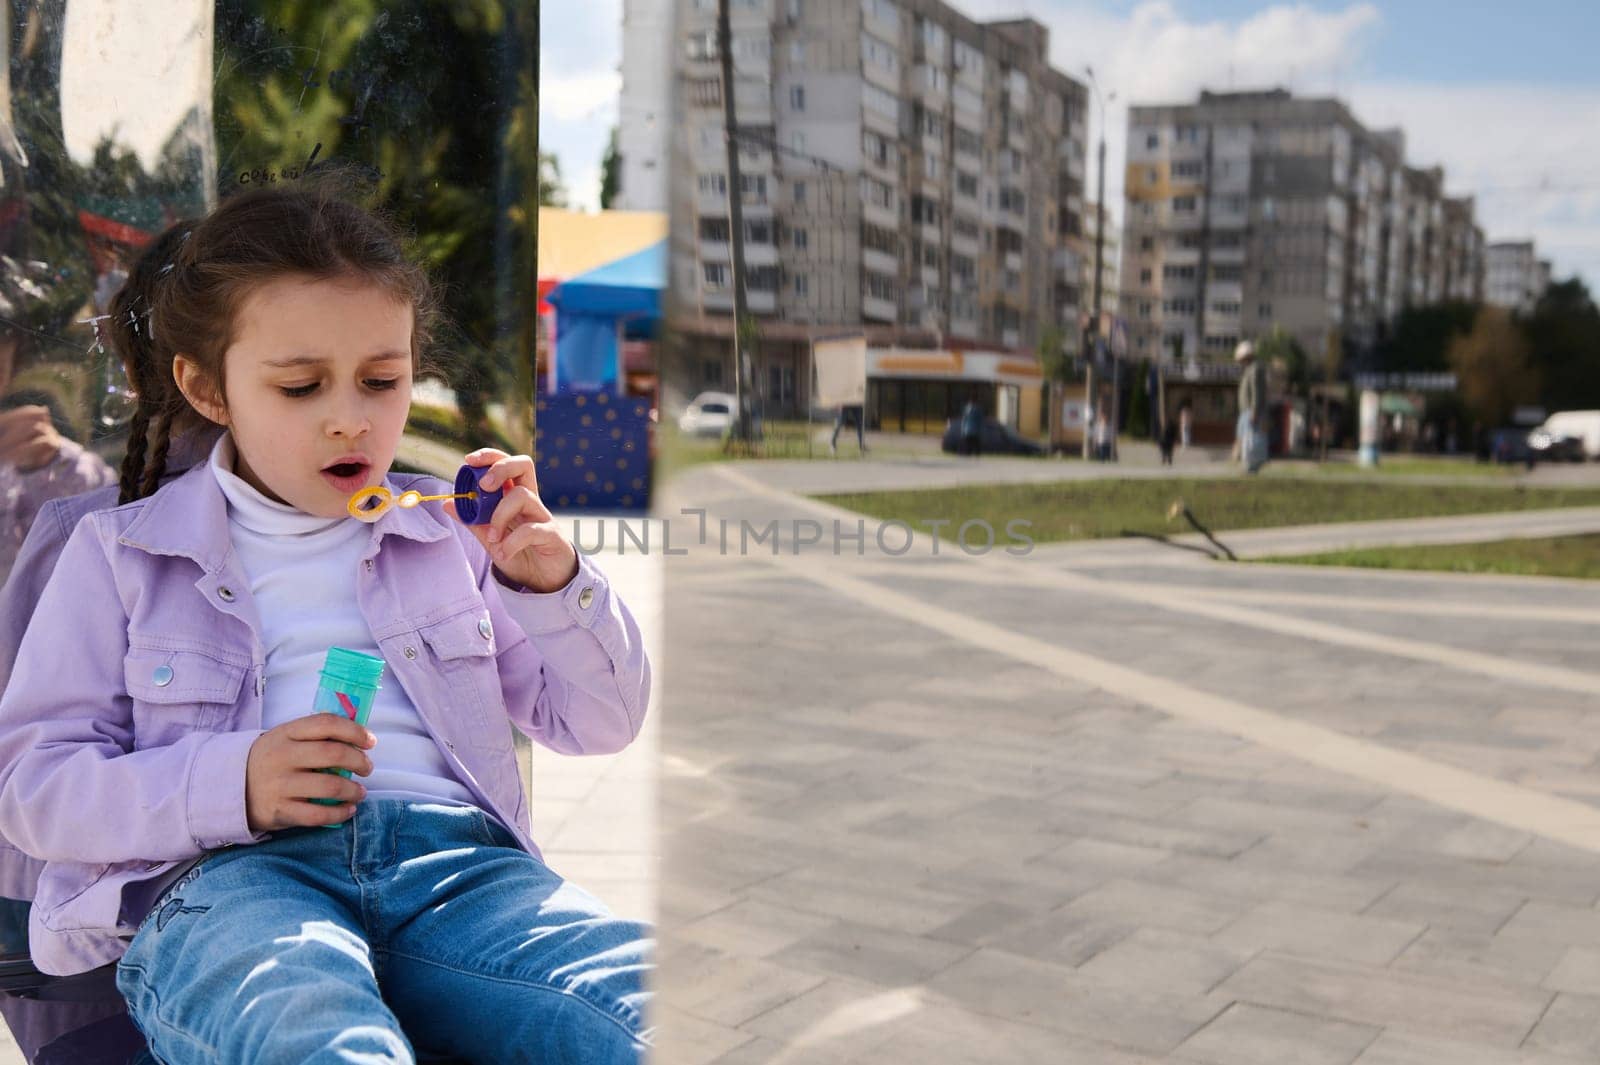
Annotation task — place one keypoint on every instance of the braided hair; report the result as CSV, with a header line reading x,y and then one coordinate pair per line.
x,y
148,366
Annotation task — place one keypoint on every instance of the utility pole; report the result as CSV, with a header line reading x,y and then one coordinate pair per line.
x,y
730,135
1092,344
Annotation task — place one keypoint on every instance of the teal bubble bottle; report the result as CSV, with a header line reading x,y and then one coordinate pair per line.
x,y
348,685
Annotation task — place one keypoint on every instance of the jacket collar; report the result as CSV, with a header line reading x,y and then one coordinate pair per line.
x,y
188,517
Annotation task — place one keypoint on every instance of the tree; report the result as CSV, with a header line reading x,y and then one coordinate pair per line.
x,y
610,172
552,191
1492,365
1564,335
1422,336
1278,347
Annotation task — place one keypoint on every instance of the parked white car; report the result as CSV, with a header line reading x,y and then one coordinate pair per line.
x,y
1580,424
708,414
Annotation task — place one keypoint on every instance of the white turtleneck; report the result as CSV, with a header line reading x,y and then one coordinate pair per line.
x,y
302,572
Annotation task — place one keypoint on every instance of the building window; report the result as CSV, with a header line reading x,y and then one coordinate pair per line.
x,y
799,192
1146,244
802,285
884,103
797,53
716,275
1144,276
1188,169
711,371
879,286
967,185
1183,204
797,97
801,238
762,278
1264,311
879,54
1174,272
713,184
1152,140
797,142
877,148
876,238
714,230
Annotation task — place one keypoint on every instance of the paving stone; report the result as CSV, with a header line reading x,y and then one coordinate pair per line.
x,y
1443,904
728,989
1021,989
1578,972
1134,903
1396,1047
874,955
751,928
1255,1035
1310,932
1570,1026
1458,954
1164,962
1477,1012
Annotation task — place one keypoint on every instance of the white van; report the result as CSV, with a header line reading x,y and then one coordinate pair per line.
x,y
1583,424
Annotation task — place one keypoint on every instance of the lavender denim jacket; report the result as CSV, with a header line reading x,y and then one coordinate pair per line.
x,y
114,775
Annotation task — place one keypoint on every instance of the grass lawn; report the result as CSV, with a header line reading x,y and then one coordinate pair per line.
x,y
1409,466
1562,556
1086,510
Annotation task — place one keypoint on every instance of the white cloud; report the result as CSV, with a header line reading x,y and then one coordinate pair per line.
x,y
1518,137
580,56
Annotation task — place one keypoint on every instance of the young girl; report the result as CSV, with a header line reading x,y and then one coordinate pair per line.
x,y
157,749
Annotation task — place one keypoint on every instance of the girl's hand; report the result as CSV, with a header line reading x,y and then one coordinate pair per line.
x,y
280,772
522,536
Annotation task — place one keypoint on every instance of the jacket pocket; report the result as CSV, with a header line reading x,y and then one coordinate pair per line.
x,y
177,692
464,650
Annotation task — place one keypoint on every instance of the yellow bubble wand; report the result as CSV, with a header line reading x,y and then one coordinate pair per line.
x,y
370,504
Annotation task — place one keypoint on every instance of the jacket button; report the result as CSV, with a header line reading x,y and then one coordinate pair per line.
x,y
585,597
485,629
162,676
410,652
225,594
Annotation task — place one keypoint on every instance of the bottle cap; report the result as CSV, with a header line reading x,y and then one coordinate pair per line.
x,y
476,511
345,668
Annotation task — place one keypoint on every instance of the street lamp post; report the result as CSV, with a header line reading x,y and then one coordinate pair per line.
x,y
1091,342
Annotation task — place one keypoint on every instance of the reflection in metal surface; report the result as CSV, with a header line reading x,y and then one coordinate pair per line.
x,y
119,117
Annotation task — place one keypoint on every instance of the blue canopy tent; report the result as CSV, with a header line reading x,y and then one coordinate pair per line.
x,y
592,446
597,310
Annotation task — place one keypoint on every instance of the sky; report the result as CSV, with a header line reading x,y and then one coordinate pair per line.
x,y
1505,97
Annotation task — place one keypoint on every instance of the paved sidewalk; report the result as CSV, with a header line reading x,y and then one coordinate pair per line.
x,y
955,810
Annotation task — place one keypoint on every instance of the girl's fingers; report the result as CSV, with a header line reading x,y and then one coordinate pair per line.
x,y
534,535
484,456
519,502
512,469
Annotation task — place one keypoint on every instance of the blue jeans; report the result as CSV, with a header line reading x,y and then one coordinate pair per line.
x,y
413,925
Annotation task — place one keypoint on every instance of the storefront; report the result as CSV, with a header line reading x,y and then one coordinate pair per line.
x,y
918,391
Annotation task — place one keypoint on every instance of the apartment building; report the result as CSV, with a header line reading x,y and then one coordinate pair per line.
x,y
1516,276
646,107
906,172
1249,211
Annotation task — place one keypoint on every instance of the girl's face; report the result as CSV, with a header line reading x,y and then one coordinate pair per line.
x,y
318,388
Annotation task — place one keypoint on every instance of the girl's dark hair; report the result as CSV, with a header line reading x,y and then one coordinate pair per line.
x,y
185,292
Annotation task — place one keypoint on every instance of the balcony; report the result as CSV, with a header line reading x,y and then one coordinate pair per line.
x,y
879,262
879,310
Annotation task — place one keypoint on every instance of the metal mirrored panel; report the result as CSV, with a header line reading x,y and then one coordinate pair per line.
x,y
120,117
